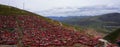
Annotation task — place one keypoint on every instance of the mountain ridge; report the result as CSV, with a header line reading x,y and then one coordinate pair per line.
x,y
104,21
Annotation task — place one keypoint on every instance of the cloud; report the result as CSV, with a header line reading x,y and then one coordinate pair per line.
x,y
43,5
48,4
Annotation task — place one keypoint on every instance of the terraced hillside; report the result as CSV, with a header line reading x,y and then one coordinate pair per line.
x,y
25,29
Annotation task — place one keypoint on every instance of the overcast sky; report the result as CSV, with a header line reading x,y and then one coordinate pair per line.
x,y
39,5
48,4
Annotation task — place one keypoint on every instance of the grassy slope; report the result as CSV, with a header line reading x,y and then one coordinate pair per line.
x,y
8,10
87,22
102,23
112,37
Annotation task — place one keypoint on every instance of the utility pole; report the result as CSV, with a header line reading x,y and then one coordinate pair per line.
x,y
8,2
9,6
24,4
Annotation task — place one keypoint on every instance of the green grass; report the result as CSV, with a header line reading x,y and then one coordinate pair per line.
x,y
8,10
112,37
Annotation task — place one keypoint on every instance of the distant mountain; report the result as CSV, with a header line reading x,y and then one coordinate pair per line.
x,y
56,18
103,23
80,11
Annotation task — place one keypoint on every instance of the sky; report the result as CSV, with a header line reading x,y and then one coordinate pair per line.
x,y
43,5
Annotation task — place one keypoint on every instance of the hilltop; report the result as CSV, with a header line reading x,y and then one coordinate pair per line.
x,y
26,29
